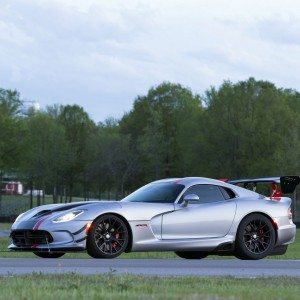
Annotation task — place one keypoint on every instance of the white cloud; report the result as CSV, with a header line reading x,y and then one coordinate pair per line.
x,y
101,54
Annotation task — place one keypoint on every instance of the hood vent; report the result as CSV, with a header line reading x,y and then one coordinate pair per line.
x,y
63,207
68,206
42,213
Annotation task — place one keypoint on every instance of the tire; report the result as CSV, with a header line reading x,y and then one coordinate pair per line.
x,y
255,238
191,254
108,237
49,254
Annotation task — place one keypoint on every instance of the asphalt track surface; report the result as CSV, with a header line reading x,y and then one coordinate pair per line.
x,y
154,267
4,233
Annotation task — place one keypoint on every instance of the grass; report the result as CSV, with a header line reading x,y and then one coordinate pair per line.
x,y
111,286
293,251
5,226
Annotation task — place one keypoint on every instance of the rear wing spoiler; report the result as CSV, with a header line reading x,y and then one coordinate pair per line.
x,y
287,183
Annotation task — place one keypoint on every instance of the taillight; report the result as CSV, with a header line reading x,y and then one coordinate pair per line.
x,y
290,214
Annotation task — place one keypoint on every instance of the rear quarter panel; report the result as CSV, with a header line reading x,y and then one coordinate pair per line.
x,y
275,209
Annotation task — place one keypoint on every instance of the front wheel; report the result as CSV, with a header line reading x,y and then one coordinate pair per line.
x,y
108,237
191,254
49,254
255,238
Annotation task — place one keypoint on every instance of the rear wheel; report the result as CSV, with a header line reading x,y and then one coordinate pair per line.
x,y
49,254
191,254
255,238
108,237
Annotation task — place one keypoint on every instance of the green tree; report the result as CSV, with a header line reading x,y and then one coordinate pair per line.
x,y
248,130
165,125
293,141
46,154
10,132
78,127
112,163
10,135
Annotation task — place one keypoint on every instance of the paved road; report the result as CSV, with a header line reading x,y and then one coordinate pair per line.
x,y
4,233
159,267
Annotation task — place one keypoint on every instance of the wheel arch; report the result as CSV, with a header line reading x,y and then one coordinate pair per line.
x,y
275,226
129,245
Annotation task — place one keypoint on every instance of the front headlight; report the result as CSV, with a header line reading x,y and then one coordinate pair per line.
x,y
68,216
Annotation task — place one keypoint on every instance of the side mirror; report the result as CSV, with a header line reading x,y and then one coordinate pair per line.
x,y
190,199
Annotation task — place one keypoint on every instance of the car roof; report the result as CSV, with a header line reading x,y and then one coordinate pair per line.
x,y
192,180
188,181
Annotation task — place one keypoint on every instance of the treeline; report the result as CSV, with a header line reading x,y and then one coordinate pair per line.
x,y
248,128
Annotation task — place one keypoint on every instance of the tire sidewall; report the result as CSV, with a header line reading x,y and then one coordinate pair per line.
x,y
241,250
92,247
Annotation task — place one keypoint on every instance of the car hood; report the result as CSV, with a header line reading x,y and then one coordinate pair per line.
x,y
43,210
130,210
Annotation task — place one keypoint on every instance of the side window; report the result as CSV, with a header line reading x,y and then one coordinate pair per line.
x,y
227,193
206,193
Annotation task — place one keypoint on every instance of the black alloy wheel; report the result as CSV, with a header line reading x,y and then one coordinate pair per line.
x,y
191,254
49,254
255,237
108,237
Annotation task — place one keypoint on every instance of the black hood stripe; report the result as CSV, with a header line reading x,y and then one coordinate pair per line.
x,y
69,206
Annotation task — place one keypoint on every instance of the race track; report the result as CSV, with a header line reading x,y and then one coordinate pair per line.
x,y
157,267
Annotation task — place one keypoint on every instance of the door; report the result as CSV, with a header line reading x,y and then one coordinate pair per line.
x,y
210,218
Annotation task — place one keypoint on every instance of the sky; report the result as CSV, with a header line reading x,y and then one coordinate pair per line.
x,y
102,54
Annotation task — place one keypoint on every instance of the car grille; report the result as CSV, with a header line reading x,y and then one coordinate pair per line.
x,y
25,238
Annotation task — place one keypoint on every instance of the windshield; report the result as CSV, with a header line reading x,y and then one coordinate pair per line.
x,y
166,192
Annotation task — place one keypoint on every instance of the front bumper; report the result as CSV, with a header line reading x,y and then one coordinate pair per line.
x,y
68,237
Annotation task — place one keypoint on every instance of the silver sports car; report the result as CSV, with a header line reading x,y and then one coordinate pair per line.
x,y
193,217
